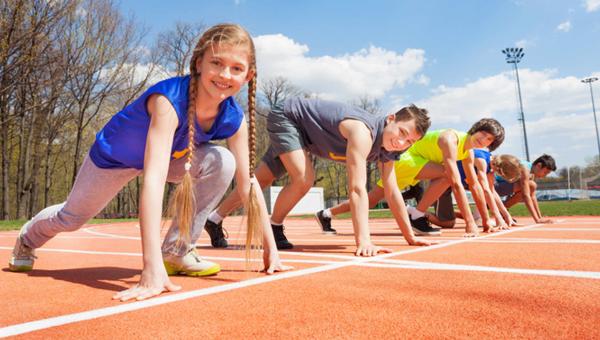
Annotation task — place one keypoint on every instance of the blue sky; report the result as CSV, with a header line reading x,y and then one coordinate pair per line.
x,y
444,55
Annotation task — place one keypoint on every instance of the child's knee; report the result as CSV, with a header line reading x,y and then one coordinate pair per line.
x,y
303,182
71,222
532,185
222,162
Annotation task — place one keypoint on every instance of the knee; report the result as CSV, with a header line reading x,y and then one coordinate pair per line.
x,y
71,222
303,182
221,162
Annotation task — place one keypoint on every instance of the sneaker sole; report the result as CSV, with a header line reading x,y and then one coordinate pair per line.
x,y
171,271
19,269
423,233
285,247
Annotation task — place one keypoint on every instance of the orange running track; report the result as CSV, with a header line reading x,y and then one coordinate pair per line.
x,y
534,281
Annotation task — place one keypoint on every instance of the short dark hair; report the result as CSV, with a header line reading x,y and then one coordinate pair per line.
x,y
491,126
420,116
546,161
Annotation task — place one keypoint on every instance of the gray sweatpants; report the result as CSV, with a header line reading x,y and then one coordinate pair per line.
x,y
94,187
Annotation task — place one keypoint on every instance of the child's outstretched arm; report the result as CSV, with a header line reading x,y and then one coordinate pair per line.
x,y
396,202
476,189
448,143
488,189
527,195
359,145
238,144
154,279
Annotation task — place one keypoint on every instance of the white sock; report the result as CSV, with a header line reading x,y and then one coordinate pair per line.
x,y
215,217
276,224
327,213
416,214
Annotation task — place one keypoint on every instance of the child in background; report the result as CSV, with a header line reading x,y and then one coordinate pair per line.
x,y
164,135
434,157
524,189
338,132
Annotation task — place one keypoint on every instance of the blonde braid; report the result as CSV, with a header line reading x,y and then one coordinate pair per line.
x,y
254,232
184,206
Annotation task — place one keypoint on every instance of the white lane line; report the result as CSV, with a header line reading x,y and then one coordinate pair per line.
x,y
541,241
218,258
460,267
567,229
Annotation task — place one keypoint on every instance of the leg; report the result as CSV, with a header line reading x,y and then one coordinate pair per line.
x,y
301,174
439,183
93,189
375,195
516,196
265,178
444,211
212,171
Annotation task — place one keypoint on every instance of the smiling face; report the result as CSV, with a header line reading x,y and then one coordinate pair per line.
x,y
399,136
223,69
481,139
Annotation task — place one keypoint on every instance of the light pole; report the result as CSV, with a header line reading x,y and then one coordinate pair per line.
x,y
513,56
589,81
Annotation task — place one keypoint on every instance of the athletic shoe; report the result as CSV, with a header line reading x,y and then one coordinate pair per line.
x,y
22,257
422,227
325,223
215,231
190,264
280,239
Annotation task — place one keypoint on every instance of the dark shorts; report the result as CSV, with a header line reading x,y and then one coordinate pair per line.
x,y
504,188
444,209
284,137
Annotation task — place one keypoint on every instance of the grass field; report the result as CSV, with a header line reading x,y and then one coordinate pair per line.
x,y
550,208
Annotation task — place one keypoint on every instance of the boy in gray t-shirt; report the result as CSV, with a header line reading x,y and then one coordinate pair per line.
x,y
341,133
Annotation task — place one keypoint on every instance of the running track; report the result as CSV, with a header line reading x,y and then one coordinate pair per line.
x,y
535,281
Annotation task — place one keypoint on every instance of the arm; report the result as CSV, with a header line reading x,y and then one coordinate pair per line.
x,y
154,279
526,194
448,142
476,189
396,202
359,144
238,144
503,218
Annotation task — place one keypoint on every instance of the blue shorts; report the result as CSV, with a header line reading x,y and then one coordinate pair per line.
x,y
504,188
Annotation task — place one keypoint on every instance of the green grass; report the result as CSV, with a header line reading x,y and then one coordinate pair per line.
x,y
16,224
550,208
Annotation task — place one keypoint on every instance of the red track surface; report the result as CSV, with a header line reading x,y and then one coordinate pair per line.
x,y
537,281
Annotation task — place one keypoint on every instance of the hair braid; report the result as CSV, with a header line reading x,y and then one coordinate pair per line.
x,y
254,232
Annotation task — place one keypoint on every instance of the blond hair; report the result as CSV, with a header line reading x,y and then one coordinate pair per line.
x,y
507,166
183,203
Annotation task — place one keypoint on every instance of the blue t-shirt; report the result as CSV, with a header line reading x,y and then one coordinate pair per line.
x,y
122,141
477,153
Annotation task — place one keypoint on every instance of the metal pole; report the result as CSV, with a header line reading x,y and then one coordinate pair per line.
x,y
522,114
595,121
568,184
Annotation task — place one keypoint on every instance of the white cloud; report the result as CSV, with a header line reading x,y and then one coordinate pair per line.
x,y
557,112
564,26
592,5
372,71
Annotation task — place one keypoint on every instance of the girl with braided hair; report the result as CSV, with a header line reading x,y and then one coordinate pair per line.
x,y
164,135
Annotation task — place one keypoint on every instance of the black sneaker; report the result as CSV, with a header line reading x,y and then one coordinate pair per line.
x,y
422,227
280,239
215,231
325,223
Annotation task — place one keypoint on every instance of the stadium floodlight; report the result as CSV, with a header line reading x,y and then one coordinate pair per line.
x,y
589,81
514,56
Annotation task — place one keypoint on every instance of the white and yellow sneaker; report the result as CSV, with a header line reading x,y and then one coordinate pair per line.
x,y
22,257
190,264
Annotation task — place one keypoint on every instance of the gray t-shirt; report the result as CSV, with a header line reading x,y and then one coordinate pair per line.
x,y
319,122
